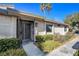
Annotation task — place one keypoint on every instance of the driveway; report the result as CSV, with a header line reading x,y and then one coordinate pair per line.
x,y
67,49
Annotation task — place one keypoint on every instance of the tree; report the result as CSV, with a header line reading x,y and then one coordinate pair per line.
x,y
73,20
45,7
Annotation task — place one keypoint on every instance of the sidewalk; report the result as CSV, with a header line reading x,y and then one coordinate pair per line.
x,y
65,50
32,50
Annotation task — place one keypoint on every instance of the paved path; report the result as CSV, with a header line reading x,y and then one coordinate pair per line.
x,y
32,50
66,50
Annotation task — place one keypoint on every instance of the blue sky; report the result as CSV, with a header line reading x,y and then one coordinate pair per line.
x,y
58,12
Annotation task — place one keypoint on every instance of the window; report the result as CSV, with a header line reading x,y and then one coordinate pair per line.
x,y
48,28
65,29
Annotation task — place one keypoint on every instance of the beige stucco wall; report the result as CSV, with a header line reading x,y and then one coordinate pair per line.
x,y
60,30
7,26
40,29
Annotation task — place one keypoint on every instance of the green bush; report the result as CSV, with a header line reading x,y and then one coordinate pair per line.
x,y
76,53
11,43
39,38
49,45
48,37
13,52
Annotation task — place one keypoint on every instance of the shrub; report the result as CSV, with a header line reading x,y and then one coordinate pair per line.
x,y
69,35
66,37
48,37
63,38
39,38
76,53
49,45
42,38
57,37
13,52
11,43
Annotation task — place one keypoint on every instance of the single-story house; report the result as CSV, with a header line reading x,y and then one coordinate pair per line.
x,y
25,26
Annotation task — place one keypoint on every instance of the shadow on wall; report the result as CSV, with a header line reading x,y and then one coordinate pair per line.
x,y
76,46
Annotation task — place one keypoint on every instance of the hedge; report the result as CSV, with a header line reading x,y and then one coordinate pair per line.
x,y
56,37
11,43
42,38
13,52
48,37
39,38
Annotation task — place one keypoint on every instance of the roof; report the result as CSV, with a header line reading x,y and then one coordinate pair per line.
x,y
55,22
2,11
15,12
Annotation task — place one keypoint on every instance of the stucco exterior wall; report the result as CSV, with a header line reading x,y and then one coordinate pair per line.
x,y
40,29
60,30
7,26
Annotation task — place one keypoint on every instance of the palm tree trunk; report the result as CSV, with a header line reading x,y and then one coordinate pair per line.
x,y
45,19
44,14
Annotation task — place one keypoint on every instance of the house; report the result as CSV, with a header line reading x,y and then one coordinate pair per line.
x,y
25,26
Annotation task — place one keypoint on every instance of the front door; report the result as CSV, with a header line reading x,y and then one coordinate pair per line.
x,y
26,31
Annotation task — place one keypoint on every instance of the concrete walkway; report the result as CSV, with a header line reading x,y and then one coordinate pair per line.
x,y
67,49
32,50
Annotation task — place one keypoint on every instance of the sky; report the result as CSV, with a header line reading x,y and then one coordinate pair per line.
x,y
58,12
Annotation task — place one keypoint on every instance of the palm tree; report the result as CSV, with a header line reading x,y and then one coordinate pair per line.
x,y
45,7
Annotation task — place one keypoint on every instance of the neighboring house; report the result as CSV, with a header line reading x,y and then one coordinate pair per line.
x,y
14,23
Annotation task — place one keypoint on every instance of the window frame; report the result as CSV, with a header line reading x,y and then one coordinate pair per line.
x,y
47,26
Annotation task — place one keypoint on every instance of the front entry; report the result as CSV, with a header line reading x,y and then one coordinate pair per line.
x,y
26,31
